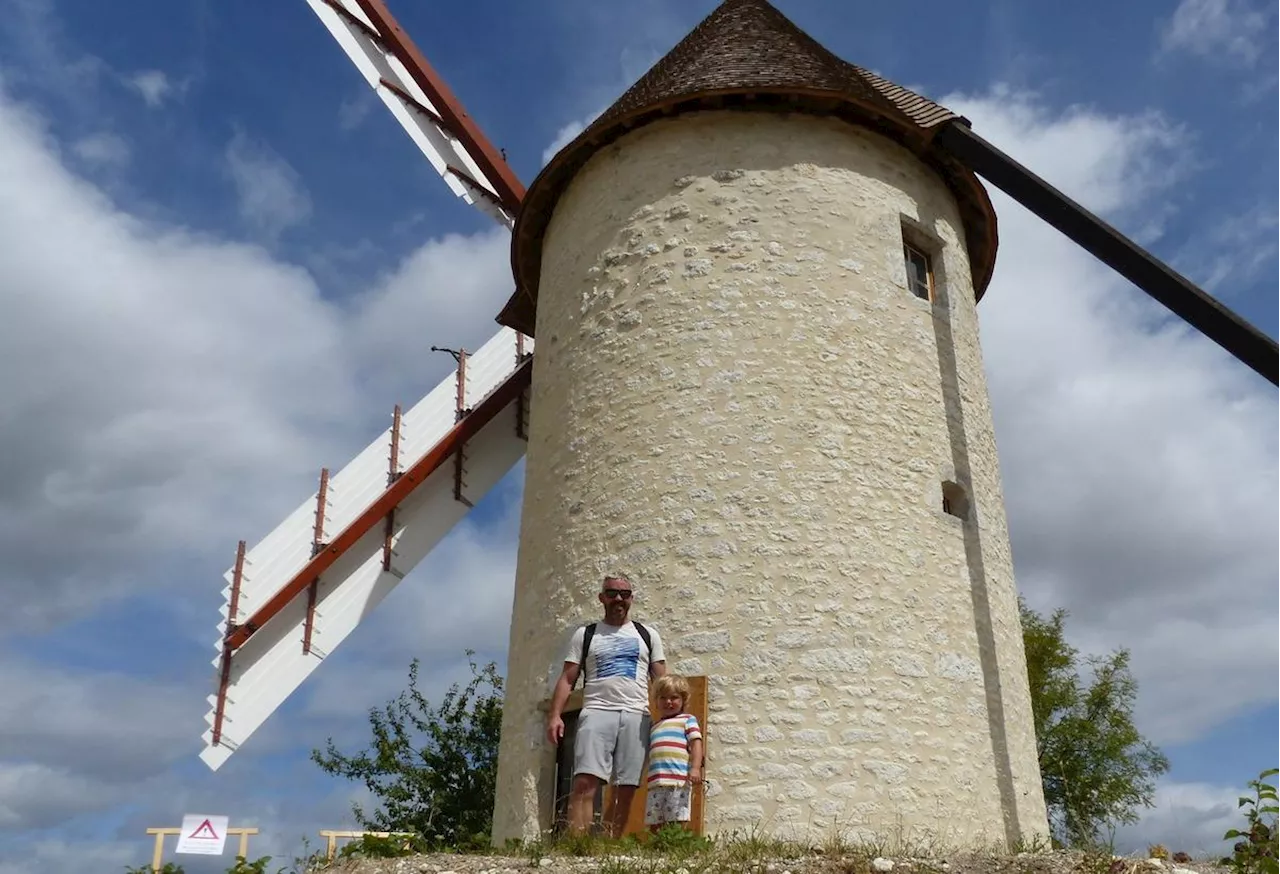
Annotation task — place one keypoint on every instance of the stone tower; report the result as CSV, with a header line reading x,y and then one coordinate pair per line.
x,y
759,392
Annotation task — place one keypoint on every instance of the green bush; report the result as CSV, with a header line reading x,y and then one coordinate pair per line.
x,y
1256,852
433,770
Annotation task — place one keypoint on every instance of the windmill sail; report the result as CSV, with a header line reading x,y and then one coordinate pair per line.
x,y
454,444
374,44
298,593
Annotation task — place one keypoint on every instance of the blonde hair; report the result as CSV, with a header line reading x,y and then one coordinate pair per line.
x,y
672,684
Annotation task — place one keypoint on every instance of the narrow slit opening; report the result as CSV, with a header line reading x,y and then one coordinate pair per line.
x,y
954,501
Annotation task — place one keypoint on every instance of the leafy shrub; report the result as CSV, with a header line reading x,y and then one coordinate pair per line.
x,y
1256,853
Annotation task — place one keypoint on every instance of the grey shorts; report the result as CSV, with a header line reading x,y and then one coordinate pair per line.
x,y
611,744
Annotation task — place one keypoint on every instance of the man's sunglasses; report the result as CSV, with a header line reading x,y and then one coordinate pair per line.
x,y
624,594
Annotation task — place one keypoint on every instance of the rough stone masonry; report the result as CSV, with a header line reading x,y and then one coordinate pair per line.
x,y
738,401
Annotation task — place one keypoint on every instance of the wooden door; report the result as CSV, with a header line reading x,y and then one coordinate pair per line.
x,y
697,705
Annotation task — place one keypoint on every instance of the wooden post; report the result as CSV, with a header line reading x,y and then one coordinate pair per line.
x,y
331,837
157,857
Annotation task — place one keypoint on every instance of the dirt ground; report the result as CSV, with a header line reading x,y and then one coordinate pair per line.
x,y
720,863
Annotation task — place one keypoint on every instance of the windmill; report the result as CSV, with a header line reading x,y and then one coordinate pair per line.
x,y
900,170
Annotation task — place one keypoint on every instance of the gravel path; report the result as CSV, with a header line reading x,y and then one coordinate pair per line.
x,y
718,863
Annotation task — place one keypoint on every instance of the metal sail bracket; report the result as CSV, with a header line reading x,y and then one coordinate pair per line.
x,y
317,546
522,400
460,412
393,474
224,669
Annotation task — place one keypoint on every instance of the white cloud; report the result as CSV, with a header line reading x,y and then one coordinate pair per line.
x,y
1227,31
444,294
154,86
103,149
352,111
1235,252
1139,460
106,725
632,65
37,54
183,390
53,856
153,349
37,796
564,136
1187,817
272,197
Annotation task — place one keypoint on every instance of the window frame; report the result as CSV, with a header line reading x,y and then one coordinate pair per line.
x,y
908,249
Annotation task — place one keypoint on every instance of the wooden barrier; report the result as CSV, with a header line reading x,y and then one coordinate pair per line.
x,y
157,857
331,837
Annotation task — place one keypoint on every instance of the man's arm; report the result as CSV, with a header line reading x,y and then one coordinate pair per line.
x,y
657,656
555,725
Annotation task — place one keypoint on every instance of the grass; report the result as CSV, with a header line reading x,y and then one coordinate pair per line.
x,y
677,851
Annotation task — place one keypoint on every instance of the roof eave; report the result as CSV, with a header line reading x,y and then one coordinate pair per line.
x,y
519,313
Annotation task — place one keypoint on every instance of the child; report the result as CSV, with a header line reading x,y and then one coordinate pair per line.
x,y
675,756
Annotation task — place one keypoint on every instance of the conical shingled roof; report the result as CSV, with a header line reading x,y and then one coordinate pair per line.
x,y
747,44
746,55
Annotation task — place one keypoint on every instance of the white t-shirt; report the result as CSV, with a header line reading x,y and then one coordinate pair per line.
x,y
616,675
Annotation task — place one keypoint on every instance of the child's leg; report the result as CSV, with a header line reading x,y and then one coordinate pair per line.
x,y
684,815
653,809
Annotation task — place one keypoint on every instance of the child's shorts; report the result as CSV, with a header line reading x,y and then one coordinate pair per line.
x,y
665,804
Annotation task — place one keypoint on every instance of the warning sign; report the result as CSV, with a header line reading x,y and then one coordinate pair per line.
x,y
202,835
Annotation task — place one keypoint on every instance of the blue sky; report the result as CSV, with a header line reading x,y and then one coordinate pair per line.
x,y
222,262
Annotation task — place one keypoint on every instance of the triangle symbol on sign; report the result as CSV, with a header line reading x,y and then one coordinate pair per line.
x,y
205,830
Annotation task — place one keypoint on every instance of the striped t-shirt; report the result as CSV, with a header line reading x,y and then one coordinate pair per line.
x,y
669,742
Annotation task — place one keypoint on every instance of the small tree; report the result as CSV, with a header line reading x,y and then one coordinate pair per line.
x,y
1096,768
433,771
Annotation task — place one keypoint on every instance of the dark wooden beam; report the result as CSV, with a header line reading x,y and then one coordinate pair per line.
x,y
1181,296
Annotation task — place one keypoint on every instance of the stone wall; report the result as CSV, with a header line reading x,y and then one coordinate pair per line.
x,y
737,401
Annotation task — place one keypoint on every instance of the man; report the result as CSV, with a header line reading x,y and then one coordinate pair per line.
x,y
613,727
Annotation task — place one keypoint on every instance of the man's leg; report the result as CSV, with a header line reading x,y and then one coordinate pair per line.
x,y
623,796
582,801
628,767
593,761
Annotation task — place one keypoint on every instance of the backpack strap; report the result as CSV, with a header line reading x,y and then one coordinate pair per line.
x,y
648,642
589,631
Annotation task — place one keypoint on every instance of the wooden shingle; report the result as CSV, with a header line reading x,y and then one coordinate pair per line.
x,y
748,56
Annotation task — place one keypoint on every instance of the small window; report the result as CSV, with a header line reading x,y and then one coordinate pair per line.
x,y
954,500
919,272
